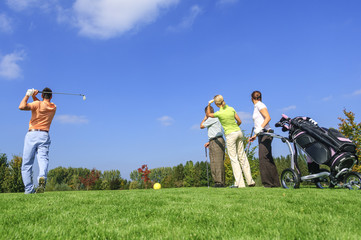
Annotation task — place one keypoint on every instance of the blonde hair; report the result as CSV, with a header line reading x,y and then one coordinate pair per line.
x,y
218,99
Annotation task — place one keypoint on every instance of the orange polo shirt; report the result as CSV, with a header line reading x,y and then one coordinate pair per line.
x,y
42,114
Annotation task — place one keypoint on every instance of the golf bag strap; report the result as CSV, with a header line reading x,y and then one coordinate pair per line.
x,y
218,142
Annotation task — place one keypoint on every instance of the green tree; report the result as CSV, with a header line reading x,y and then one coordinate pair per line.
x,y
188,180
158,174
3,168
111,180
229,178
203,176
136,178
352,130
168,180
197,174
178,172
58,175
13,181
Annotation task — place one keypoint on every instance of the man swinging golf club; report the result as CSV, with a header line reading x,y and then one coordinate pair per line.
x,y
37,140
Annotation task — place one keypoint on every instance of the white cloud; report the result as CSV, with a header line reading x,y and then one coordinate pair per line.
x,y
166,120
357,92
21,5
289,108
5,24
326,99
71,119
222,2
109,18
195,127
187,21
9,67
245,117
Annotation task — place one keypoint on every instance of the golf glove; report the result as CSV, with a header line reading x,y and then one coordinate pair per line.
x,y
257,130
211,101
30,92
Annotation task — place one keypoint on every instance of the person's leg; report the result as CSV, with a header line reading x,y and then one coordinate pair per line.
x,y
212,160
43,154
268,169
243,159
28,161
220,161
232,153
217,163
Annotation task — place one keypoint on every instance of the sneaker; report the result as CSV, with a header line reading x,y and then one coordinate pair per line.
x,y
41,187
233,186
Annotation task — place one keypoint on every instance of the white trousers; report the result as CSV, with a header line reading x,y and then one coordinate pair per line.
x,y
238,159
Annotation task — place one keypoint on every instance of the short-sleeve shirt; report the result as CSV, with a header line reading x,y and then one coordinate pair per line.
x,y
214,127
258,119
226,117
42,114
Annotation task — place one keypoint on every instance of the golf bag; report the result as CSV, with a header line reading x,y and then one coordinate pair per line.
x,y
322,145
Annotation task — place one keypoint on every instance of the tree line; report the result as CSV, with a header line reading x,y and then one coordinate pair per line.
x,y
190,174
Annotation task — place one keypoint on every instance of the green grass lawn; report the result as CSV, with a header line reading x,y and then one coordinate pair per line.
x,y
184,213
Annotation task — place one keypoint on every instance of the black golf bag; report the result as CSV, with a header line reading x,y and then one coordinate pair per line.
x,y
322,145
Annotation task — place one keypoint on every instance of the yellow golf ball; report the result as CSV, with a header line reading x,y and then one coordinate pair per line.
x,y
157,186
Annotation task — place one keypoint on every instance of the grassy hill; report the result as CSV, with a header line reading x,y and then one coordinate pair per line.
x,y
184,213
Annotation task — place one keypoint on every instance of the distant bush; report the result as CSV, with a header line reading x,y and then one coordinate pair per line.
x,y
134,185
62,187
352,130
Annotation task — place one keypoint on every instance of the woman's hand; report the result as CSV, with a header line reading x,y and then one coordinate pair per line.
x,y
251,139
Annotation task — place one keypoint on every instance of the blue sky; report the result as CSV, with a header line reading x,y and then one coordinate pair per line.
x,y
149,67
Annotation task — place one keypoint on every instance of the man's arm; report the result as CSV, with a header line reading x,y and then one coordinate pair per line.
x,y
204,119
34,95
24,103
208,113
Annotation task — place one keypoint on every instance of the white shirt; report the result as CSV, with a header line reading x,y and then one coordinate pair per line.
x,y
214,127
258,119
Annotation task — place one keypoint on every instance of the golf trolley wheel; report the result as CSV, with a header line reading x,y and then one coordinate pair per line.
x,y
324,182
290,179
353,180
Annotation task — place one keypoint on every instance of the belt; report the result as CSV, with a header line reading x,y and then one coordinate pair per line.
x,y
37,130
270,131
214,138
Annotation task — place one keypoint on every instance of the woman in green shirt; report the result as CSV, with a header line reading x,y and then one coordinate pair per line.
x,y
230,122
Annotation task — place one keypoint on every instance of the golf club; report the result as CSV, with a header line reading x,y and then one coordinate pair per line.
x,y
249,142
207,166
76,94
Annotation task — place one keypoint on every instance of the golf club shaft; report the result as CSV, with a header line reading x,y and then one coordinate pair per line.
x,y
207,166
77,94
249,143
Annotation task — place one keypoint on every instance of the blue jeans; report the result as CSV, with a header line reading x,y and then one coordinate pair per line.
x,y
35,143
